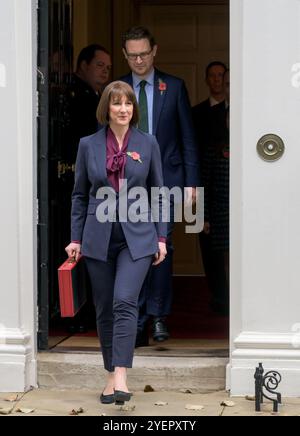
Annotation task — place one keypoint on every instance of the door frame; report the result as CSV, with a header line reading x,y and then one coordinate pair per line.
x,y
43,164
48,159
43,175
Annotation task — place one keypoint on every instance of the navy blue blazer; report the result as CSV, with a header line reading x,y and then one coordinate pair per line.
x,y
90,175
174,131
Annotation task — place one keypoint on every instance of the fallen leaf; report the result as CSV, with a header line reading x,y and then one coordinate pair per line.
x,y
76,412
249,398
228,404
193,407
73,413
6,411
127,408
160,403
11,399
185,391
149,388
25,411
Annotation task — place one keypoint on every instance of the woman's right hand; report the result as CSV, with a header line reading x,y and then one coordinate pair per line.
x,y
73,250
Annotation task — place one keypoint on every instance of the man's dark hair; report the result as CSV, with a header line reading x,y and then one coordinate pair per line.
x,y
136,33
214,64
87,54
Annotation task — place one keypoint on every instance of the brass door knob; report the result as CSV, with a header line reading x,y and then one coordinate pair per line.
x,y
270,147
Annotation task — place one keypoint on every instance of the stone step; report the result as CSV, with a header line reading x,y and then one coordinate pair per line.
x,y
85,371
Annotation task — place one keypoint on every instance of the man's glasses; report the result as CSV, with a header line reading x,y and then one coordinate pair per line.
x,y
135,56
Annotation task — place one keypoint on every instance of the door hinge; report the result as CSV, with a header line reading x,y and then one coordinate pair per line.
x,y
37,211
41,76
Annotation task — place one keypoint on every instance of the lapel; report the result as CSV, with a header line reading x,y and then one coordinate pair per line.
x,y
158,99
99,148
134,144
128,79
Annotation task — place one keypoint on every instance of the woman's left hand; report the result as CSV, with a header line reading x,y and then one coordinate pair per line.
x,y
190,196
161,255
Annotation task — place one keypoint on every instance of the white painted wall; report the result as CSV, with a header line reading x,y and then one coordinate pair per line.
x,y
18,294
265,197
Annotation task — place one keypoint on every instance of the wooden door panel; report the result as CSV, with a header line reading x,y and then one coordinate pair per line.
x,y
188,71
188,37
163,26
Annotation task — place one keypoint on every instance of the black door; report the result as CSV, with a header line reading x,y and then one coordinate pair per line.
x,y
55,68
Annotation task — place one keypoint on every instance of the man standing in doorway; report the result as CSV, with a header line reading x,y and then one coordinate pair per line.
x,y
214,77
202,114
166,113
216,183
91,76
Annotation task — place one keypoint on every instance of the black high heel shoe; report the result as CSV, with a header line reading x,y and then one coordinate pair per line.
x,y
121,397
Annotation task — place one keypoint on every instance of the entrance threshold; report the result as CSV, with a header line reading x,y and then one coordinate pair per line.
x,y
85,371
170,348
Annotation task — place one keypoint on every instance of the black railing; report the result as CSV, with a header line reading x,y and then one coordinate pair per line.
x,y
266,382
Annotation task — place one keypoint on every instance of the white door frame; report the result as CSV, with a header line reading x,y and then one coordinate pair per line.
x,y
265,207
18,220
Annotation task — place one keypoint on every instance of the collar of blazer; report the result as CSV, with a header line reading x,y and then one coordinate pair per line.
x,y
99,149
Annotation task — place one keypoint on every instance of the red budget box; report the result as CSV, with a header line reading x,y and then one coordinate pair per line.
x,y
73,282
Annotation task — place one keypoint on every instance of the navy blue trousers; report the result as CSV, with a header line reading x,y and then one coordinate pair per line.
x,y
157,292
116,286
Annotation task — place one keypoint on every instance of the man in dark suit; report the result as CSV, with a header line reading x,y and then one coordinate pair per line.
x,y
202,116
166,113
83,95
216,184
201,112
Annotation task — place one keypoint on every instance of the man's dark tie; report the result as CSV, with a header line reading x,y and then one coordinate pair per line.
x,y
143,103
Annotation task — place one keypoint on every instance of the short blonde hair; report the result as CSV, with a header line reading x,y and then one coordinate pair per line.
x,y
117,89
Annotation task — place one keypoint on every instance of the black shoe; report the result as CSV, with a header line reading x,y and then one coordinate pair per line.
x,y
160,331
107,399
72,329
120,397
82,328
142,338
75,328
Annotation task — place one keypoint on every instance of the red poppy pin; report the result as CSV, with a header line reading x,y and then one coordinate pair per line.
x,y
135,156
162,86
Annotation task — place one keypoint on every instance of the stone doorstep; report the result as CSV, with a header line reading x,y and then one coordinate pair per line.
x,y
85,371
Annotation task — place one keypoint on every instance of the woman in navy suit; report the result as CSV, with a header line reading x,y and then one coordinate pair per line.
x,y
119,249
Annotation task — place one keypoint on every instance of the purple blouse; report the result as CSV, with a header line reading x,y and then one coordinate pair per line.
x,y
116,158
